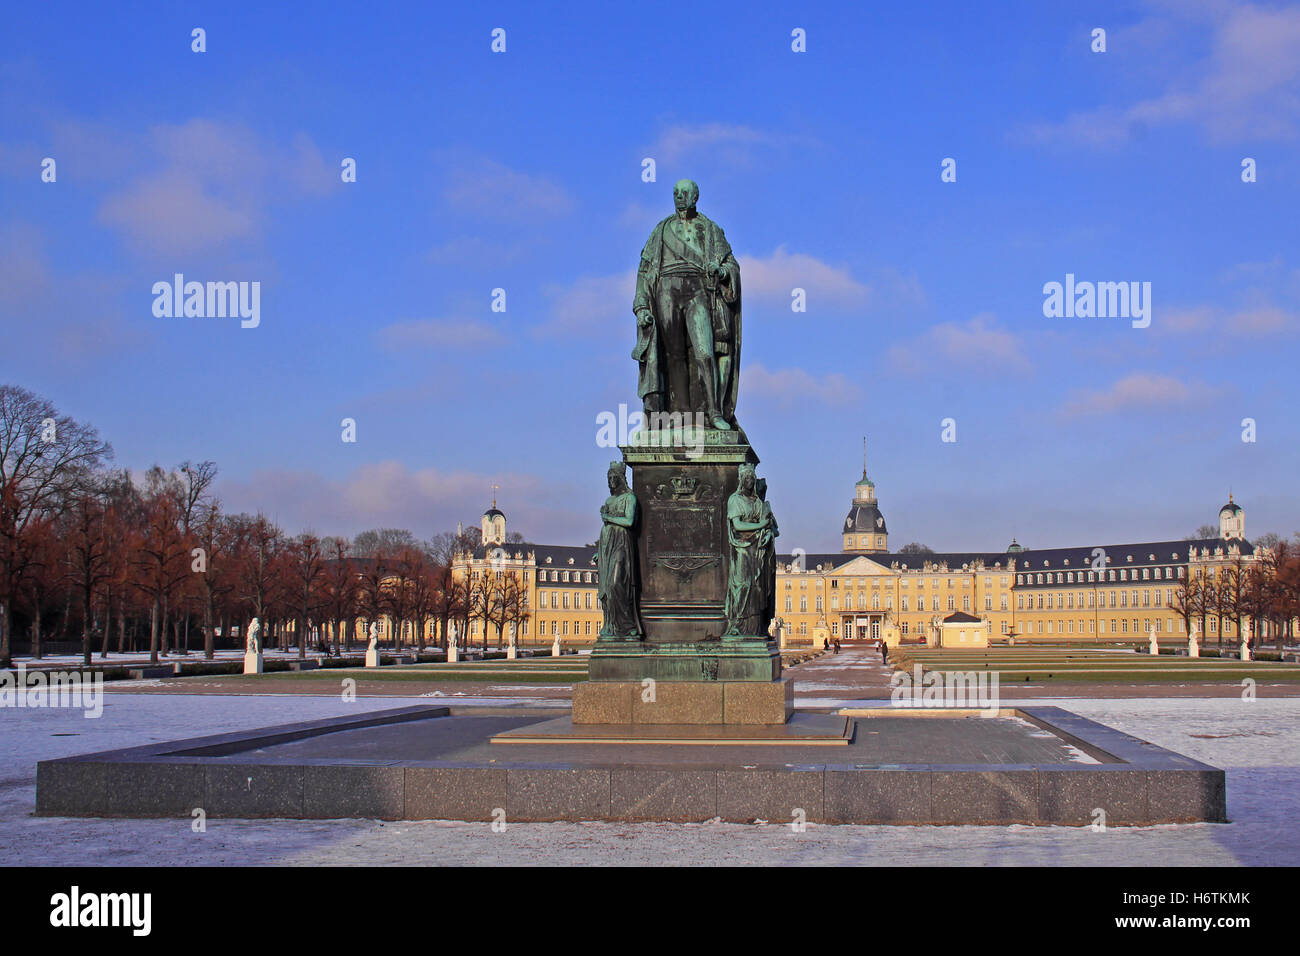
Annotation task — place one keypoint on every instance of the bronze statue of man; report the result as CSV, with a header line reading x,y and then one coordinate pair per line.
x,y
687,307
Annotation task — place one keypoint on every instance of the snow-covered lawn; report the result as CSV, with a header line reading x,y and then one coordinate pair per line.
x,y
1257,743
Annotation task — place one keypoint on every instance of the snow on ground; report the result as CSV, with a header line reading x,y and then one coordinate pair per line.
x,y
1256,742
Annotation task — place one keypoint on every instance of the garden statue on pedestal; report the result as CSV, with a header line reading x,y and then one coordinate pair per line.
x,y
253,662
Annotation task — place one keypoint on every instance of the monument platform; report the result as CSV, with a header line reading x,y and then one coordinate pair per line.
x,y
689,702
439,763
810,730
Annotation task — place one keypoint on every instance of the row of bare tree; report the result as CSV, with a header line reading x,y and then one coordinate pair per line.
x,y
1264,591
89,551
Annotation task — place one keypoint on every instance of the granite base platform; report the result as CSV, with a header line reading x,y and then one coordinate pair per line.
x,y
424,763
805,730
683,702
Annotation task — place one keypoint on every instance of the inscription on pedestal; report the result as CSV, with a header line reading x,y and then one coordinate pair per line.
x,y
683,548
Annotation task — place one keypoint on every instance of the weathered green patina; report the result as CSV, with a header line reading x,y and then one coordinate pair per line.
x,y
699,603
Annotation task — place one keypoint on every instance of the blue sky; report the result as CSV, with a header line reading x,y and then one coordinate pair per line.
x,y
522,171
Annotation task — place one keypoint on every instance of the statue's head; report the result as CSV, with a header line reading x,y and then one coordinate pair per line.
x,y
747,479
617,476
685,195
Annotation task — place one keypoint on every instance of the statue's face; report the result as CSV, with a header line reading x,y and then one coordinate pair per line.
x,y
685,195
613,483
747,483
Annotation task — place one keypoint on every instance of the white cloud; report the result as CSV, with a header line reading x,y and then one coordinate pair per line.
x,y
593,302
214,184
774,277
174,213
795,386
682,139
1140,391
486,187
438,334
390,494
978,344
1246,87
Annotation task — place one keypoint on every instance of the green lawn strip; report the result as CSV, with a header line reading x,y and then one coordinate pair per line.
x,y
1149,676
429,677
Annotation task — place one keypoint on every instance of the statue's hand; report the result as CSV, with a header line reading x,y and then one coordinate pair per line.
x,y
644,319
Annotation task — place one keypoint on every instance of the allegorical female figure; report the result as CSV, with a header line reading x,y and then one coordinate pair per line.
x,y
749,531
616,560
769,560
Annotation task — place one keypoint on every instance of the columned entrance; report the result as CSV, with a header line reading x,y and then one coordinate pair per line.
x,y
861,627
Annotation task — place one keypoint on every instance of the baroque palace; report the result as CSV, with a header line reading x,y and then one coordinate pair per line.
x,y
1095,593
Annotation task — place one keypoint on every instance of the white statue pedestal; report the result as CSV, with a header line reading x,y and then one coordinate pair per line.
x,y
1193,647
511,653
453,654
781,632
1154,648
372,657
1245,651
555,648
253,662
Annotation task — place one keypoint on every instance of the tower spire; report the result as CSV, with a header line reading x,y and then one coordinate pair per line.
x,y
864,457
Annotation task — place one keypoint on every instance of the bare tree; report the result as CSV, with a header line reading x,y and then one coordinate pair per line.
x,y
42,455
306,566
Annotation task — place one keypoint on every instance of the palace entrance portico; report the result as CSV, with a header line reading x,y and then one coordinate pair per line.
x,y
861,627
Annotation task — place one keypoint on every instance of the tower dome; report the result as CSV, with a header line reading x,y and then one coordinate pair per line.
x,y
494,524
1232,521
864,529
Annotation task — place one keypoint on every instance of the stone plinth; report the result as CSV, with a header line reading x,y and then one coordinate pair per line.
x,y
739,659
682,479
253,663
683,702
372,658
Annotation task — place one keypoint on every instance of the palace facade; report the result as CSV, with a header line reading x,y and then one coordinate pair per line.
x,y
1092,593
